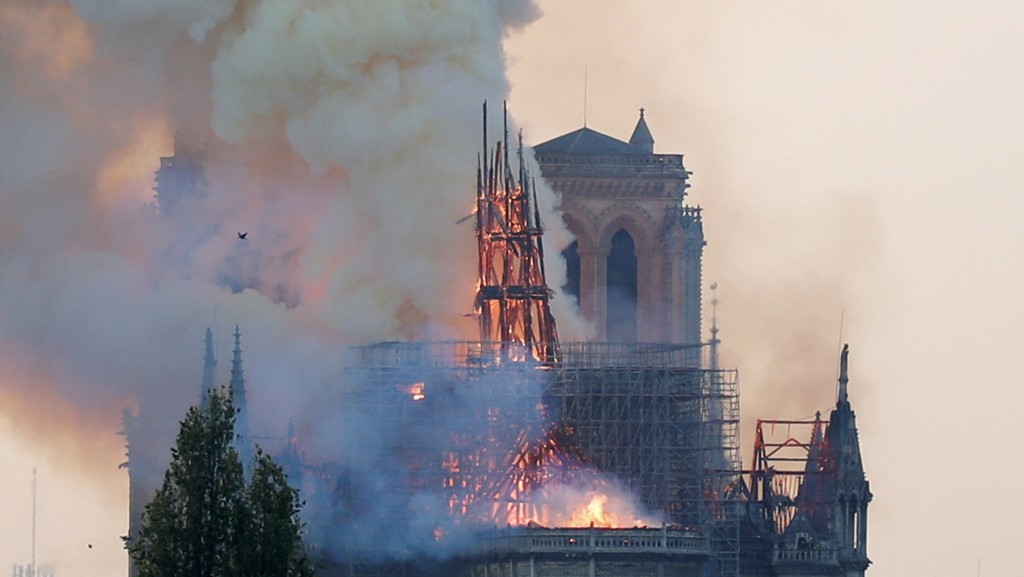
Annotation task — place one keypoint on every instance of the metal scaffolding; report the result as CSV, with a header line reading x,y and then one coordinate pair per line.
x,y
480,434
792,474
652,416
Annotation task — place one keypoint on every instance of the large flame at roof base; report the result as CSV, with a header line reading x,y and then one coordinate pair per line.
x,y
591,500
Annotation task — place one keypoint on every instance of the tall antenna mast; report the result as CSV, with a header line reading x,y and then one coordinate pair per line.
x,y
584,97
714,326
842,320
33,522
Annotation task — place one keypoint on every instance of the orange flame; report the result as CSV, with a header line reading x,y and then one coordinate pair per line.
x,y
566,506
416,391
593,514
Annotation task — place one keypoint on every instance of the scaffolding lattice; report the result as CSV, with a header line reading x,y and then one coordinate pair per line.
x,y
459,418
793,474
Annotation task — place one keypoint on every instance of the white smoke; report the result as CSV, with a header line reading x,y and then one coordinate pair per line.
x,y
341,136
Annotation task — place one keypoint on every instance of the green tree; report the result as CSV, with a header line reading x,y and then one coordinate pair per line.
x,y
273,529
205,521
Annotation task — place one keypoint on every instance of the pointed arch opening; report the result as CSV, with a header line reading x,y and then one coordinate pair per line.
x,y
622,289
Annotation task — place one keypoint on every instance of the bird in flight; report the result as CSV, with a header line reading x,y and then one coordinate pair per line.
x,y
242,235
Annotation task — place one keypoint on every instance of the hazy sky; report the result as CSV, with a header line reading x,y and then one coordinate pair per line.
x,y
858,161
859,166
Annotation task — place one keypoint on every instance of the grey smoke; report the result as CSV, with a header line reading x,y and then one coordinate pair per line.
x,y
342,135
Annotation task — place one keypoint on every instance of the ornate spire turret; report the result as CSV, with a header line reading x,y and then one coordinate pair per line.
x,y
243,439
209,368
641,137
237,377
852,492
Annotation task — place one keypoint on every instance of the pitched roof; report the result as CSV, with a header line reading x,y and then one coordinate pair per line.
x,y
586,141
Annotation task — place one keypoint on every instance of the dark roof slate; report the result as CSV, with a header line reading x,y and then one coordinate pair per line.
x,y
641,134
586,141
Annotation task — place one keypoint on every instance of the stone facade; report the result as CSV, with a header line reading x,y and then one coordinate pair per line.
x,y
609,187
539,552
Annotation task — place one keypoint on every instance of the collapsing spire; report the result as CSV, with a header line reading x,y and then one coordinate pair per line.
x,y
513,299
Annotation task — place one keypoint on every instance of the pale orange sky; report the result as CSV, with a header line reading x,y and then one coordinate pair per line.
x,y
859,163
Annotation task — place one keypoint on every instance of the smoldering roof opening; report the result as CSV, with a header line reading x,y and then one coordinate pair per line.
x,y
419,457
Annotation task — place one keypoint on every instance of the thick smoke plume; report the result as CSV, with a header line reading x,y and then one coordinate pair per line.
x,y
341,136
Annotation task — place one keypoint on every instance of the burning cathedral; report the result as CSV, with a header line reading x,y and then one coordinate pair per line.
x,y
519,454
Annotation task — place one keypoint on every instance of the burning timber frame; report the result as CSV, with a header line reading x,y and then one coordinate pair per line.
x,y
650,415
513,299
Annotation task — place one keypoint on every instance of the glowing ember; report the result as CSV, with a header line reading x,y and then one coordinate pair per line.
x,y
416,391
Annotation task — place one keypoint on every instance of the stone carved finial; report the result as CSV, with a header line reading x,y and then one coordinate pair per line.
x,y
843,377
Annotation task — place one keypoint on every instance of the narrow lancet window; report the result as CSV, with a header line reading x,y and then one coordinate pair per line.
x,y
622,289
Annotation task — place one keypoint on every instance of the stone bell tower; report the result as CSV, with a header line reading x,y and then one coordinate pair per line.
x,y
635,267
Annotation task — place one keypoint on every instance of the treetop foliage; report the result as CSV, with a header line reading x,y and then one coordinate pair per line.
x,y
206,520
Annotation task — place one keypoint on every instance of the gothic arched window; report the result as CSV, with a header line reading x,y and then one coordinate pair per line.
x,y
622,289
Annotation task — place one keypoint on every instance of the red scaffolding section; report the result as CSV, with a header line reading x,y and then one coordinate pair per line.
x,y
793,477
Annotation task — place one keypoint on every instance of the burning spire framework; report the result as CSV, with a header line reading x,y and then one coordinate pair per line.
x,y
512,298
493,433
